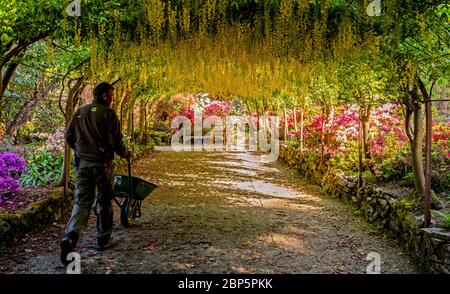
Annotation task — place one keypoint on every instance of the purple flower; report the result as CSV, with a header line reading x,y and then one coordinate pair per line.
x,y
12,165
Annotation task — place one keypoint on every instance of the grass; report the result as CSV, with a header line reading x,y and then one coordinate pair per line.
x,y
445,223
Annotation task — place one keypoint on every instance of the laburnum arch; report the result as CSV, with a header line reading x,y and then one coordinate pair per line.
x,y
272,54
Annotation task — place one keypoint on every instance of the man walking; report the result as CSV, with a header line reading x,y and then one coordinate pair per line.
x,y
94,133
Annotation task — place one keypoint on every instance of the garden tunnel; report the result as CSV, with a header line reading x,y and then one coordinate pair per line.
x,y
278,56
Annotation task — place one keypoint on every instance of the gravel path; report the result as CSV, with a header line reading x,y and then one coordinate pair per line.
x,y
222,213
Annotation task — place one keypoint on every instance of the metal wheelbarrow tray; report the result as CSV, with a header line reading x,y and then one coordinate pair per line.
x,y
130,203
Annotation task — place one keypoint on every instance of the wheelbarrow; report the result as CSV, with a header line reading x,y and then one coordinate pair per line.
x,y
129,192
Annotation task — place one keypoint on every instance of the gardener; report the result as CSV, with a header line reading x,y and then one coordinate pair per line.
x,y
94,133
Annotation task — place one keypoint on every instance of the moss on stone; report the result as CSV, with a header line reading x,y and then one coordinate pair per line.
x,y
15,225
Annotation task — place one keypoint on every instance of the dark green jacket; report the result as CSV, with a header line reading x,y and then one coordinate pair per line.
x,y
94,132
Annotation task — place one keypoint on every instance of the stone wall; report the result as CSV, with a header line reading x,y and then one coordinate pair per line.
x,y
385,207
15,225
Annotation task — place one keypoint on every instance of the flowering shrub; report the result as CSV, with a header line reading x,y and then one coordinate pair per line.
x,y
39,136
389,151
176,103
12,165
24,134
55,142
440,177
386,131
188,112
387,134
219,107
290,122
7,146
339,130
390,156
441,139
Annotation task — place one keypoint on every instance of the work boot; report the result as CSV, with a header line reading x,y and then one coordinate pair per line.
x,y
67,246
103,244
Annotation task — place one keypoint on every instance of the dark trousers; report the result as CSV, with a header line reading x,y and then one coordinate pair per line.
x,y
87,179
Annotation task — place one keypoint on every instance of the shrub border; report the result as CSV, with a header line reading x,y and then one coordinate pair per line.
x,y
393,214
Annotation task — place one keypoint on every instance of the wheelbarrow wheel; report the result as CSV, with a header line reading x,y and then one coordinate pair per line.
x,y
128,212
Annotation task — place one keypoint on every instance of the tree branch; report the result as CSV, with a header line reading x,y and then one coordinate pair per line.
x,y
116,81
408,128
21,45
9,72
63,85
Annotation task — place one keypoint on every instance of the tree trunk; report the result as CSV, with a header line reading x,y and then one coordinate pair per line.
x,y
360,154
322,137
415,136
6,77
149,116
65,172
131,126
72,100
22,117
249,108
145,139
417,151
124,110
428,134
130,115
365,121
366,128
117,106
141,122
116,101
295,120
301,129
25,112
285,125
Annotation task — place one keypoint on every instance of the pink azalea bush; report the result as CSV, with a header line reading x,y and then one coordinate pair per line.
x,y
441,156
388,146
218,107
441,139
341,128
387,135
187,112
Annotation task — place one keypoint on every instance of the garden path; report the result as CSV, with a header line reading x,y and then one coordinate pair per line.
x,y
223,213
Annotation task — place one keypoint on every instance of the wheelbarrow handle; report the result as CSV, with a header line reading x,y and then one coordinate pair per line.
x,y
130,178
129,167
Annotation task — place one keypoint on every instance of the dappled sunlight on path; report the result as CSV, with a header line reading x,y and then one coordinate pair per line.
x,y
230,213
